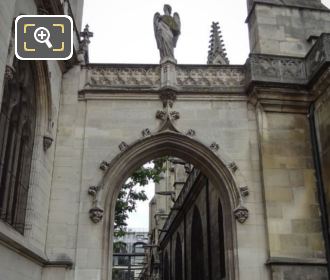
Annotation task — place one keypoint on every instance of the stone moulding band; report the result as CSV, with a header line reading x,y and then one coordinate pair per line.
x,y
36,256
296,261
266,70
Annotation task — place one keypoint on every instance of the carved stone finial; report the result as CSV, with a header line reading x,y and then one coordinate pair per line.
x,y
214,147
241,214
146,132
84,44
47,142
96,214
191,133
104,165
217,51
123,146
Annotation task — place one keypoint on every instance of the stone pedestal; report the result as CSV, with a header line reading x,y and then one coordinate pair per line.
x,y
168,73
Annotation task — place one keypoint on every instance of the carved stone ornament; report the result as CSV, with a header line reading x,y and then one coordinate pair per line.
x,y
167,117
146,132
244,191
233,166
96,214
191,133
93,190
123,146
161,115
175,115
241,214
47,142
123,76
9,73
168,97
104,165
214,147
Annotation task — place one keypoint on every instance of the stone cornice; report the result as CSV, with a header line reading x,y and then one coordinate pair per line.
x,y
280,80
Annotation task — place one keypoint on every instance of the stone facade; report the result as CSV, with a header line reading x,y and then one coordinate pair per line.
x,y
263,125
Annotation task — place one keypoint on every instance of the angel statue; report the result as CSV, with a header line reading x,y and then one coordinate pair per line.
x,y
167,31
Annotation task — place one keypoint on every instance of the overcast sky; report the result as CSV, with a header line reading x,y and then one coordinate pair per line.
x,y
123,33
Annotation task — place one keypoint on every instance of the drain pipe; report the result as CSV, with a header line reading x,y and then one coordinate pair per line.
x,y
320,184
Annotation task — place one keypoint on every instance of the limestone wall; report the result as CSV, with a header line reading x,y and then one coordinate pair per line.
x,y
14,266
292,209
90,131
282,30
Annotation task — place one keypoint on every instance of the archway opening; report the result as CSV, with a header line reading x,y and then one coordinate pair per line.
x,y
210,167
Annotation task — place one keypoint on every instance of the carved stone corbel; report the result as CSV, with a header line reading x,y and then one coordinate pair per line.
x,y
241,214
47,142
95,213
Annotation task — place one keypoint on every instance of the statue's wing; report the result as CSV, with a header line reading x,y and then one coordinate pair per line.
x,y
156,22
177,20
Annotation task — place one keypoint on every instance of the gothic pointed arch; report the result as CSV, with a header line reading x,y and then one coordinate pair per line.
x,y
25,123
197,247
167,143
17,131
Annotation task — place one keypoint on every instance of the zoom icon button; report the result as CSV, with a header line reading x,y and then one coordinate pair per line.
x,y
43,37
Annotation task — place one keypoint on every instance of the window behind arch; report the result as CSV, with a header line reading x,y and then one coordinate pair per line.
x,y
178,258
17,129
197,247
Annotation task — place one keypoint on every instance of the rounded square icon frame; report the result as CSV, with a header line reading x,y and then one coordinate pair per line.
x,y
44,58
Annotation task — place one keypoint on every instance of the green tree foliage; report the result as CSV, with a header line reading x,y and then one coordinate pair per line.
x,y
129,195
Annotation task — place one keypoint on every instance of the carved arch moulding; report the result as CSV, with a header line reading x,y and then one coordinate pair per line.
x,y
163,143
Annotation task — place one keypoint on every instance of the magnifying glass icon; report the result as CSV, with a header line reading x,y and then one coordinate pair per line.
x,y
41,35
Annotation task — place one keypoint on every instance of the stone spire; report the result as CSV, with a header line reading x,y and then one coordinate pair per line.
x,y
217,52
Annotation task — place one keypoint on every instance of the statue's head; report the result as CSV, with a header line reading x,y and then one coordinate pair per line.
x,y
167,9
